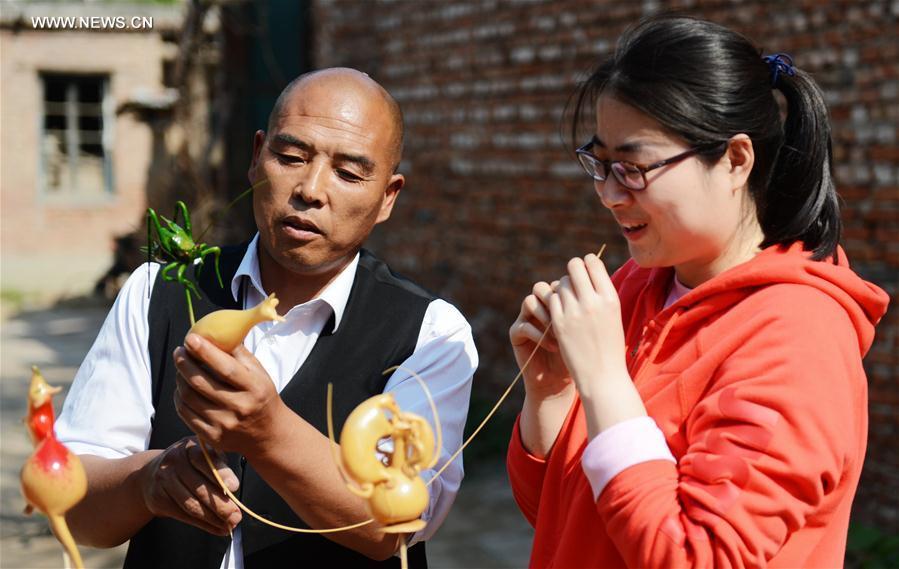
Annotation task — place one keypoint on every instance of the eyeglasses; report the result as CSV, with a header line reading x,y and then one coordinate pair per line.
x,y
629,174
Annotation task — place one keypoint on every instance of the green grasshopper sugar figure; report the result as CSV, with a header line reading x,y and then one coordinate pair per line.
x,y
175,245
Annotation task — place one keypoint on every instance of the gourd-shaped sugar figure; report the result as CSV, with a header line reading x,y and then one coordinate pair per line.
x,y
396,494
228,328
53,478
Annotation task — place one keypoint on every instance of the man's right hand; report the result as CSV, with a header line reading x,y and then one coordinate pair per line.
x,y
178,484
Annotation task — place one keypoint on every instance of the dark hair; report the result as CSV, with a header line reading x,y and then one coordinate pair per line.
x,y
706,83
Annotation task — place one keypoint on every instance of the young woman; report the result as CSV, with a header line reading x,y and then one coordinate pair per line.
x,y
706,405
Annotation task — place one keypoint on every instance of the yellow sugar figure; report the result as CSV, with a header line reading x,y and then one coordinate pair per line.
x,y
396,494
366,425
228,328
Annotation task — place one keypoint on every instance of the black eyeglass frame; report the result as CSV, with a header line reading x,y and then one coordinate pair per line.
x,y
583,153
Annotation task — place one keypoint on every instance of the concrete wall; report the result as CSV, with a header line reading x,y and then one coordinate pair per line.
x,y
61,247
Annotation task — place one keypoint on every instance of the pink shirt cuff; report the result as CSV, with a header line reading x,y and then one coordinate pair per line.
x,y
621,446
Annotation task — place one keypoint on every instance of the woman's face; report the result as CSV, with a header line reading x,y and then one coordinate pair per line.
x,y
690,215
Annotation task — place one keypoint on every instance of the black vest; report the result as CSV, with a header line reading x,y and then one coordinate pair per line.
x,y
379,329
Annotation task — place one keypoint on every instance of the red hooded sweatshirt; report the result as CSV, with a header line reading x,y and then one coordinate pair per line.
x,y
755,379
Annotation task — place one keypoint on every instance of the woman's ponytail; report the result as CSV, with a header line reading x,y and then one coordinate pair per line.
x,y
801,202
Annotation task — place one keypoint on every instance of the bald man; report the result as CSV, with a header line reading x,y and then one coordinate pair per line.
x,y
326,172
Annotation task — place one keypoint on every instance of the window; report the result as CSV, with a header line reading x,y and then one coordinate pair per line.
x,y
76,138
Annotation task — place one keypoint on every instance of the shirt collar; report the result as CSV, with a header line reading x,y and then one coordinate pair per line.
x,y
335,295
249,267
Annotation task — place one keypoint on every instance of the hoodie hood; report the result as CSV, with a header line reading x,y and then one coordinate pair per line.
x,y
864,303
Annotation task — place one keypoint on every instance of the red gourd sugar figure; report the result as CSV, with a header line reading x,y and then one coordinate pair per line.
x,y
52,478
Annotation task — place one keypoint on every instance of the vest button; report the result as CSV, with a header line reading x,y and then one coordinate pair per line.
x,y
243,461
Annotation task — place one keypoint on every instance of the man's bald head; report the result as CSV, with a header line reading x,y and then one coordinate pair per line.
x,y
345,78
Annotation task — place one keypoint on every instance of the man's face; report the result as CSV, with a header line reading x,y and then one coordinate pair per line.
x,y
329,163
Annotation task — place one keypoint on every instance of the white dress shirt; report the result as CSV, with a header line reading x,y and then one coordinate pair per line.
x,y
109,408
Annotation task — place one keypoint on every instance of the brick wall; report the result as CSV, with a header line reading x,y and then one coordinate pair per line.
x,y
494,200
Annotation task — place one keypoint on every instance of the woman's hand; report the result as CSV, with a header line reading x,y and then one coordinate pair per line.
x,y
586,321
549,390
546,375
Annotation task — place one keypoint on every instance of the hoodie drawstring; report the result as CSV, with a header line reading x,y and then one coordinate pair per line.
x,y
658,343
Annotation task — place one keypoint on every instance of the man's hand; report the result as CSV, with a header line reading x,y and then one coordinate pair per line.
x,y
227,399
178,484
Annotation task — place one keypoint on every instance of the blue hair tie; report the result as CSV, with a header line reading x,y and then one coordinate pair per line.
x,y
779,63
